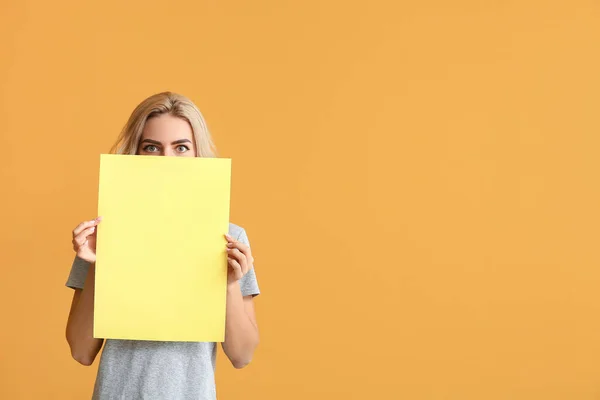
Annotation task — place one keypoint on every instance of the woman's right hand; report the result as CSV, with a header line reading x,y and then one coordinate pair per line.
x,y
84,240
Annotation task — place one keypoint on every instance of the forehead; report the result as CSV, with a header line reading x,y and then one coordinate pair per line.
x,y
167,127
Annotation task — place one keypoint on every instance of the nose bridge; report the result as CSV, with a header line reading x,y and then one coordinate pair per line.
x,y
168,151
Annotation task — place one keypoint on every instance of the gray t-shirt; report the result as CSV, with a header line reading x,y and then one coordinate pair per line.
x,y
132,369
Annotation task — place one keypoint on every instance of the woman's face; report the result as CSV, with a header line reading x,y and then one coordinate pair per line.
x,y
166,135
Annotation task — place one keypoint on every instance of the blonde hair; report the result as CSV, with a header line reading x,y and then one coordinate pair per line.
x,y
164,103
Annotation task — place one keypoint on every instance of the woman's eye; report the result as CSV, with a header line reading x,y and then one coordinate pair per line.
x,y
182,149
150,148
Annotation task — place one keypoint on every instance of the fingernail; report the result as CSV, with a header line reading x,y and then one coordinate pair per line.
x,y
99,219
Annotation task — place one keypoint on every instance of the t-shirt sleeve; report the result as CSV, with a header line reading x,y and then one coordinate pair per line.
x,y
248,283
78,273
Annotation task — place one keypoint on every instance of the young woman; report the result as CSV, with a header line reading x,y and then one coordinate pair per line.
x,y
165,124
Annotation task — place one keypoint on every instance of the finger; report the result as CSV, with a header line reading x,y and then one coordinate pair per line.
x,y
237,268
238,245
236,254
240,258
81,227
80,239
85,225
247,252
78,247
244,248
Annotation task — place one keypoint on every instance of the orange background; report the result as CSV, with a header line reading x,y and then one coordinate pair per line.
x,y
419,181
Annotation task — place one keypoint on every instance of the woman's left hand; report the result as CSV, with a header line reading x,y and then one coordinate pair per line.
x,y
239,259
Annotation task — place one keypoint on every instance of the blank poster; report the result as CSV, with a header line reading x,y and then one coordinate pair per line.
x,y
161,267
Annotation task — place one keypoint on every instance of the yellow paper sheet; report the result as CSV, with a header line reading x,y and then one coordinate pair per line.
x,y
161,265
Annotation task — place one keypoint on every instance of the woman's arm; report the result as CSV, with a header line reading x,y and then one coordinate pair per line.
x,y
80,330
80,325
241,331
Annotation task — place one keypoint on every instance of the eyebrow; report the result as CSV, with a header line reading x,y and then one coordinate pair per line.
x,y
180,141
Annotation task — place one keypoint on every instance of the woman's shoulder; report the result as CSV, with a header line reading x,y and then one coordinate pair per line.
x,y
236,231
